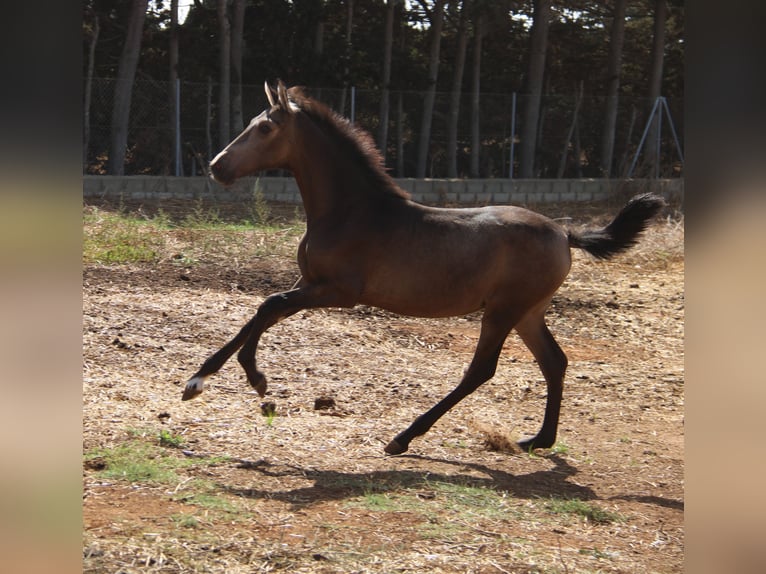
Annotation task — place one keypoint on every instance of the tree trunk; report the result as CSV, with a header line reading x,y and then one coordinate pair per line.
x,y
347,55
209,120
655,85
123,91
613,87
317,50
457,86
399,136
224,89
386,79
437,20
475,94
173,57
89,87
237,115
538,45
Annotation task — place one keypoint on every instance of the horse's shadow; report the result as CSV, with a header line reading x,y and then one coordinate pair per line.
x,y
337,485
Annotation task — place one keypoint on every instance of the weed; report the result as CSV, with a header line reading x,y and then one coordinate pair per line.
x,y
162,219
259,207
269,411
201,217
560,448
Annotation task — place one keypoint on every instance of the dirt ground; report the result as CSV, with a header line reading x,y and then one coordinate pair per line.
x,y
310,490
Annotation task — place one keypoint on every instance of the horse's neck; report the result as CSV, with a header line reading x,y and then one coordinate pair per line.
x,y
328,182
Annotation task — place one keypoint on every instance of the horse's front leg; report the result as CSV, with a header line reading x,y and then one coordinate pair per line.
x,y
271,311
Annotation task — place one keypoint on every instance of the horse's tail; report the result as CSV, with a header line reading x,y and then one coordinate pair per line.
x,y
624,230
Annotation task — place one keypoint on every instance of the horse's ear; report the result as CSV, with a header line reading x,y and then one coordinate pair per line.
x,y
269,93
284,102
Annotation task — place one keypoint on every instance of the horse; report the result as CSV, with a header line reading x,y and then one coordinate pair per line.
x,y
368,243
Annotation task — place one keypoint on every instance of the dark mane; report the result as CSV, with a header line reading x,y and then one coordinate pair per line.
x,y
355,143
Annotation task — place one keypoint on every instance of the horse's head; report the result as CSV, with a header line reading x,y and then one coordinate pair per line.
x,y
264,144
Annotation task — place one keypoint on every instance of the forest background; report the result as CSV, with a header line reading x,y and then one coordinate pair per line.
x,y
463,88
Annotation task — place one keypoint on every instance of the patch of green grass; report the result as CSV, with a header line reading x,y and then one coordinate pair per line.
x,y
441,509
205,495
467,499
169,439
382,502
588,511
185,520
137,461
596,553
112,238
560,448
146,458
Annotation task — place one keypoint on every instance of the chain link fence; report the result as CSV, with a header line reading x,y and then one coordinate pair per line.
x,y
568,135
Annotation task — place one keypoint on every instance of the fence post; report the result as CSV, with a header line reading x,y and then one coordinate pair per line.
x,y
513,133
177,130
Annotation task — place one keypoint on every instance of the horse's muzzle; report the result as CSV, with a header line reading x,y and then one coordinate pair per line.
x,y
220,171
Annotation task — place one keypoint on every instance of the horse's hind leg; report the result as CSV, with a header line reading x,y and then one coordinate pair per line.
x,y
494,330
553,364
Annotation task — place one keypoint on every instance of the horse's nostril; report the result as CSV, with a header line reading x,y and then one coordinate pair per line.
x,y
219,169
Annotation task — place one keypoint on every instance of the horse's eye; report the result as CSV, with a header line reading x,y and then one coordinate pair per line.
x,y
264,128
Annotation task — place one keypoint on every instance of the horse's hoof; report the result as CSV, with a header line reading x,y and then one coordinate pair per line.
x,y
259,384
394,447
194,387
533,443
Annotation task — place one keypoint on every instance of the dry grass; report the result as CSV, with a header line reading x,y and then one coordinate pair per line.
x,y
303,490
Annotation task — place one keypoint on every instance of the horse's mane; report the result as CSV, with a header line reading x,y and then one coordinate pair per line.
x,y
354,143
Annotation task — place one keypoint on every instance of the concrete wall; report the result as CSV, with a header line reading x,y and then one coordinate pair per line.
x,y
427,191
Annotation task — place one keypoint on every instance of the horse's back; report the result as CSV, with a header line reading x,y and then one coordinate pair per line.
x,y
451,261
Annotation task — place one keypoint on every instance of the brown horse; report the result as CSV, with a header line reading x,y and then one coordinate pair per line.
x,y
367,243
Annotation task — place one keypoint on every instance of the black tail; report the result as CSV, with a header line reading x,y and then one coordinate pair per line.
x,y
624,230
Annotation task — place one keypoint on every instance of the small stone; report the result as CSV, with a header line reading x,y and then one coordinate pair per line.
x,y
323,403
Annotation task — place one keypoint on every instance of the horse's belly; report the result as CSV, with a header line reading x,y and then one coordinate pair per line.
x,y
419,295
